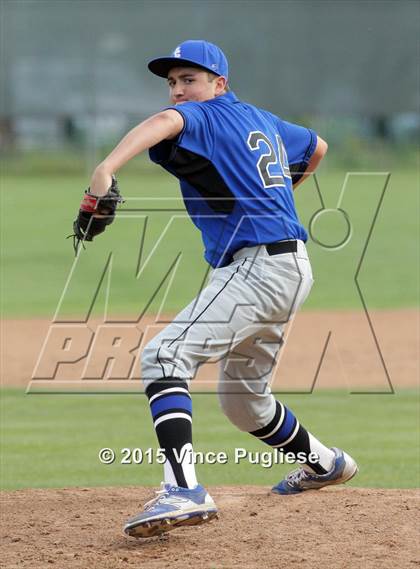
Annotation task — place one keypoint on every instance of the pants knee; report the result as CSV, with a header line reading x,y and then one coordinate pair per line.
x,y
159,360
248,412
149,362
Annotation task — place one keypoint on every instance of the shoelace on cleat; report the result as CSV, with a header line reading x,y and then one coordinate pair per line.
x,y
296,476
159,494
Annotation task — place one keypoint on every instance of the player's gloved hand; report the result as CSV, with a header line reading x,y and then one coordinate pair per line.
x,y
95,214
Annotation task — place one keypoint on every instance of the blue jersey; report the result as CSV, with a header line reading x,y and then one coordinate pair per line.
x,y
236,164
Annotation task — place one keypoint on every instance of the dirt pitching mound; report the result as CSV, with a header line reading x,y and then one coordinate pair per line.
x,y
335,527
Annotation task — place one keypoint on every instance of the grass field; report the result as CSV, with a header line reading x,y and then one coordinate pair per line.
x,y
37,260
53,441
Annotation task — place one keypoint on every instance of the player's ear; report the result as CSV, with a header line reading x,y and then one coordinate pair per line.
x,y
221,83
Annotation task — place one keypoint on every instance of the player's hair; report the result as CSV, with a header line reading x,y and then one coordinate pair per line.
x,y
212,76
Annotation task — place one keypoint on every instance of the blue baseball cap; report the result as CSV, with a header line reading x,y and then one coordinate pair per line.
x,y
192,53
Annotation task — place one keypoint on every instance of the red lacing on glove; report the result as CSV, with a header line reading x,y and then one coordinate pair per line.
x,y
89,203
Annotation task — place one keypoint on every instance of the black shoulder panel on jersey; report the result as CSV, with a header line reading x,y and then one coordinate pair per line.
x,y
203,176
297,171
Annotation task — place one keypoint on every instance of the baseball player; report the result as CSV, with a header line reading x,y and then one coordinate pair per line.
x,y
237,166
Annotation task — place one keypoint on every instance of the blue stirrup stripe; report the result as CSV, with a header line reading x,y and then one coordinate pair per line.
x,y
284,431
170,402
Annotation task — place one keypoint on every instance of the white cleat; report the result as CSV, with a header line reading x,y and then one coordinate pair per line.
x,y
173,507
299,480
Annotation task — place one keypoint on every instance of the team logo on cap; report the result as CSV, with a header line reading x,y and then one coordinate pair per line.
x,y
177,52
214,65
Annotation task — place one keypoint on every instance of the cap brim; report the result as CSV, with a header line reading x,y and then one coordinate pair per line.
x,y
163,65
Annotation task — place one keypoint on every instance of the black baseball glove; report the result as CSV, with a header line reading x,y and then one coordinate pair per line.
x,y
88,224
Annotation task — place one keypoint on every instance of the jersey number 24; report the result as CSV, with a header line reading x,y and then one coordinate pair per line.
x,y
257,141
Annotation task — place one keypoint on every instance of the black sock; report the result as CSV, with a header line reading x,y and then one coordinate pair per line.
x,y
171,407
285,433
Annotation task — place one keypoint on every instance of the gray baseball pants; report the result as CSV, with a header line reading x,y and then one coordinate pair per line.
x,y
238,320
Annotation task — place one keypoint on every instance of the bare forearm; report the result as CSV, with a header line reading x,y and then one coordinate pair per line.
x,y
317,156
148,133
